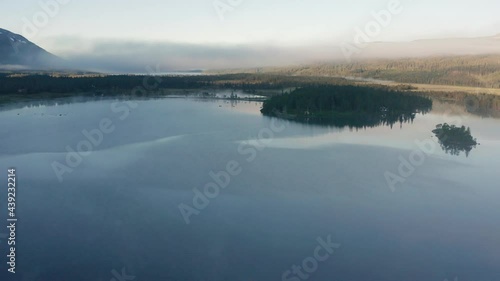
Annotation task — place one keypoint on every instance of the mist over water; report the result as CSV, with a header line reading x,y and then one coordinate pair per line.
x,y
119,208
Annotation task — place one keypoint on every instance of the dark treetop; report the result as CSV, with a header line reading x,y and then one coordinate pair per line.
x,y
352,106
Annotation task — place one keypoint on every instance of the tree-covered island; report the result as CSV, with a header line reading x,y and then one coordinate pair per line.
x,y
344,105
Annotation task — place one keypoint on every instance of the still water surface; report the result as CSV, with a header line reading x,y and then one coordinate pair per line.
x,y
119,208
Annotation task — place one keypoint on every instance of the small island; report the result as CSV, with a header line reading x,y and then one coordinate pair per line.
x,y
347,106
454,140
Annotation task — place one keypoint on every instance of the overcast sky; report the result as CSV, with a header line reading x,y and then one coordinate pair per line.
x,y
80,27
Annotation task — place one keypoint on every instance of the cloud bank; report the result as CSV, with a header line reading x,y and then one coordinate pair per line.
x,y
135,56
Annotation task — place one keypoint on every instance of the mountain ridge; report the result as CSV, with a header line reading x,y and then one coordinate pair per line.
x,y
17,52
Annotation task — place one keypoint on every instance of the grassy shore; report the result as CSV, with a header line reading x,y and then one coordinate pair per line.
x,y
438,88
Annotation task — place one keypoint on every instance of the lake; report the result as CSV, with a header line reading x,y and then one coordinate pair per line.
x,y
210,189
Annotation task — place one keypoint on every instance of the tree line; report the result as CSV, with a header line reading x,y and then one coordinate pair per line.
x,y
473,71
344,105
116,84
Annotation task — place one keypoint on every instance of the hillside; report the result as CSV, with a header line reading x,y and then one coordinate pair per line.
x,y
17,52
472,71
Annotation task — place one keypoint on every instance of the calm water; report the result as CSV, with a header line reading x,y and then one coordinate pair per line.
x,y
118,208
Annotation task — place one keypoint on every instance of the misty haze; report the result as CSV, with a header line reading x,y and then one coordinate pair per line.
x,y
214,140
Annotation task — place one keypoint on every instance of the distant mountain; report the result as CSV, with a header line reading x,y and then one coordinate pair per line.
x,y
17,52
432,47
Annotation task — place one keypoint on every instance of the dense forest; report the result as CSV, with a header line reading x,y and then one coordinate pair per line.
x,y
26,84
472,71
352,106
32,84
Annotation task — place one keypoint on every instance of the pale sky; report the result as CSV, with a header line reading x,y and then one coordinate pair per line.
x,y
75,27
291,21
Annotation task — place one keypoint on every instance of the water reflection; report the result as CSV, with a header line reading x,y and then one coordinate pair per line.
x,y
130,189
347,106
234,97
454,140
483,105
